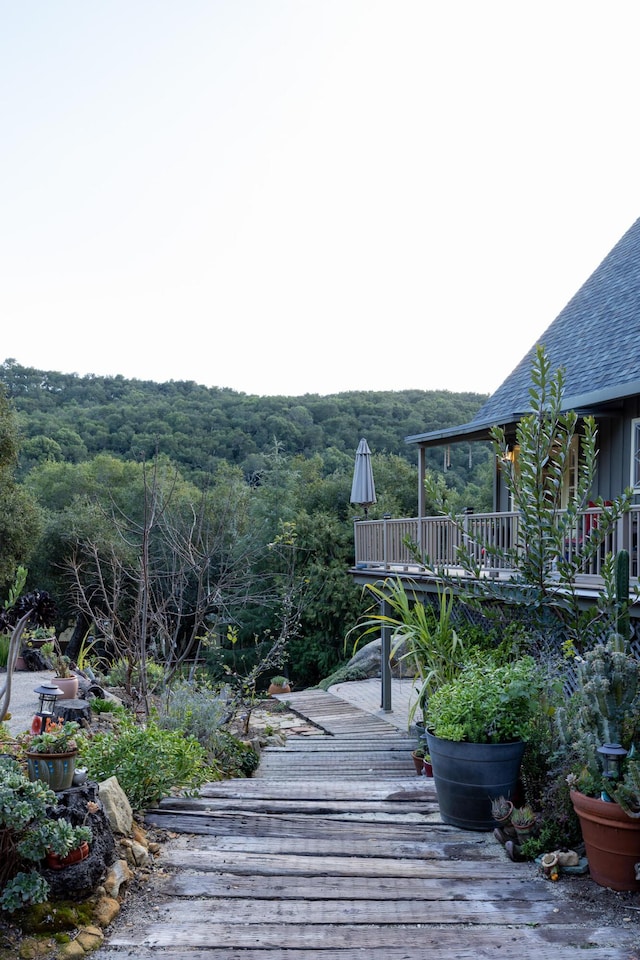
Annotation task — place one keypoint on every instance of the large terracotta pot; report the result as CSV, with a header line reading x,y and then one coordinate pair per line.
x,y
56,769
68,685
612,842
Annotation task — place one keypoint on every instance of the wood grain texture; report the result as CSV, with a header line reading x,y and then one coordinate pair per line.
x,y
335,851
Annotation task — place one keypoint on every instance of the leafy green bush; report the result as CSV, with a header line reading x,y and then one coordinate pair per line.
x,y
147,760
234,758
486,703
118,675
5,639
99,705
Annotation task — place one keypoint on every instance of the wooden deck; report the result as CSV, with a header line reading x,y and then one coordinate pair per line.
x,y
335,850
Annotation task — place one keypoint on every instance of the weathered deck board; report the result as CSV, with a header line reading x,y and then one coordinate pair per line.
x,y
335,852
420,944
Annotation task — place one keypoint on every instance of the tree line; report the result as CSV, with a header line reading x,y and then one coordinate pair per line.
x,y
193,521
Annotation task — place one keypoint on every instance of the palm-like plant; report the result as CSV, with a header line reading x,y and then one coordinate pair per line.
x,y
425,636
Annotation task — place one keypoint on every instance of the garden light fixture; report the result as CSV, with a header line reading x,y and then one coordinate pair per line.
x,y
612,756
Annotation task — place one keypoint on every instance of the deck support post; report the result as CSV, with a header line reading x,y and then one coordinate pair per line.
x,y
385,660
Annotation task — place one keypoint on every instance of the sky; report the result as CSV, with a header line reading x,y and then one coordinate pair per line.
x,y
308,196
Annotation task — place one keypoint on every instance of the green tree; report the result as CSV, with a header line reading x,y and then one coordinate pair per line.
x,y
19,518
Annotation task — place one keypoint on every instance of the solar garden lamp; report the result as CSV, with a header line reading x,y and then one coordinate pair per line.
x,y
48,695
612,756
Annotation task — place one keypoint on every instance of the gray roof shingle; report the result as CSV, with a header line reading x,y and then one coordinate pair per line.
x,y
596,338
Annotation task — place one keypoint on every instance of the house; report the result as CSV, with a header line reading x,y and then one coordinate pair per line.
x,y
596,339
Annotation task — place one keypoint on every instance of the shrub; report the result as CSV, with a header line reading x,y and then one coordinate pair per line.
x,y
235,758
486,703
147,760
118,675
199,711
23,817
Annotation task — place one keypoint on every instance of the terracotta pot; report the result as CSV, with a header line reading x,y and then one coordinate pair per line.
x,y
68,685
612,842
54,862
55,769
275,688
418,763
20,664
427,768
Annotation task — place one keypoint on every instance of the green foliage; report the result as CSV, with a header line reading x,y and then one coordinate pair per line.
x,y
4,649
232,756
54,836
486,703
627,792
122,674
147,760
544,573
344,674
623,626
23,817
423,635
19,518
22,890
69,419
198,710
604,709
99,705
58,738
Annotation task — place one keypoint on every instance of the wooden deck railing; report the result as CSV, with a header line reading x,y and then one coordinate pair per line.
x,y
382,544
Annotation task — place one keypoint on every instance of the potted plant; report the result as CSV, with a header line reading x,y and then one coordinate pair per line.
x,y
600,729
501,810
477,726
422,762
278,685
523,820
65,844
64,677
51,756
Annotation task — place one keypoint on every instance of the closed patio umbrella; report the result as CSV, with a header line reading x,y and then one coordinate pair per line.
x,y
363,491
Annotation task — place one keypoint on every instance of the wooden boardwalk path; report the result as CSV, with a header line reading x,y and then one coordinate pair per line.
x,y
335,850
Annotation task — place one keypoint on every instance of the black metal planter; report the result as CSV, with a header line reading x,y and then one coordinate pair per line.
x,y
468,776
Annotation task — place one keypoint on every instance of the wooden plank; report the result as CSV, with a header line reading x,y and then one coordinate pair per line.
x,y
258,826
422,945
347,866
298,914
450,944
310,807
336,851
414,788
348,846
352,888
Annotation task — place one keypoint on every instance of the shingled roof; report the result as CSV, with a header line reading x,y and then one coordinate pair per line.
x,y
596,338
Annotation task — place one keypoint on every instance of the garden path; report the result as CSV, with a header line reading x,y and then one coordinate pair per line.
x,y
334,850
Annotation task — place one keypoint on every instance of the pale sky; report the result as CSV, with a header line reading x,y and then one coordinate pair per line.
x,y
292,196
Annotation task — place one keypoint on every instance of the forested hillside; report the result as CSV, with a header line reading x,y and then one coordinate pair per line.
x,y
68,418
235,507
